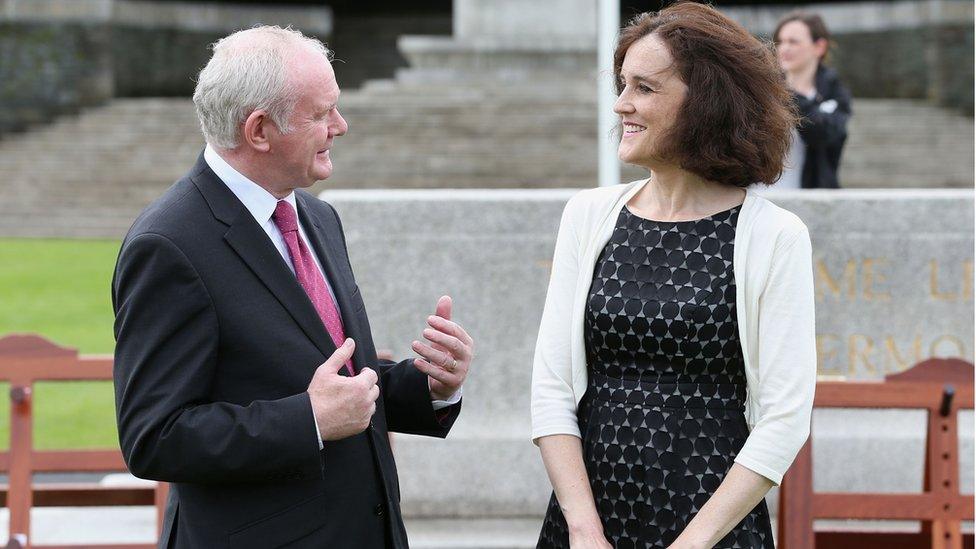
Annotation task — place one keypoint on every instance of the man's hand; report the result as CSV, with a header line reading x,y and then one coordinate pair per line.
x,y
448,356
343,406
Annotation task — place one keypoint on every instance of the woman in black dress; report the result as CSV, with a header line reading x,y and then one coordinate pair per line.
x,y
674,372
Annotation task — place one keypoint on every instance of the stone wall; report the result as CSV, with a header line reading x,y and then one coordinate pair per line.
x,y
47,69
912,49
62,55
366,46
951,75
933,63
158,62
58,56
894,286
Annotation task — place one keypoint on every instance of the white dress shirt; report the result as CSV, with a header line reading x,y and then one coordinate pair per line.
x,y
262,205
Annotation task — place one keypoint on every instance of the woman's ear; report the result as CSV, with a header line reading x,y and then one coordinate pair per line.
x,y
821,45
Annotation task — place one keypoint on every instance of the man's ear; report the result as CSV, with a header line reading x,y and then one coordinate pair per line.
x,y
255,131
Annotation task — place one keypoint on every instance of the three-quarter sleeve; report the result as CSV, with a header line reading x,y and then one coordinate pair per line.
x,y
786,361
553,401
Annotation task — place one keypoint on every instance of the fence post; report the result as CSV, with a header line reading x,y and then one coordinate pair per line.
x,y
20,496
942,469
795,528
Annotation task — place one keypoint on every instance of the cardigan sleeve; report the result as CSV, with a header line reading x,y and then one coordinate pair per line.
x,y
787,361
553,400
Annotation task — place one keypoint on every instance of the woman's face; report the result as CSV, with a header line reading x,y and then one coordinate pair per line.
x,y
795,48
652,93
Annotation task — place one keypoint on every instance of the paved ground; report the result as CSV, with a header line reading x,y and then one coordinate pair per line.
x,y
66,525
61,525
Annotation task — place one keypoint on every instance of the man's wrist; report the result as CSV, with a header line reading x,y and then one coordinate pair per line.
x,y
439,403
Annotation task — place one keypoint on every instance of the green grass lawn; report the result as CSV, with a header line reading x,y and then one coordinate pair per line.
x,y
61,290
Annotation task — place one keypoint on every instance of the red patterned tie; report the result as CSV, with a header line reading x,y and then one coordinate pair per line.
x,y
309,275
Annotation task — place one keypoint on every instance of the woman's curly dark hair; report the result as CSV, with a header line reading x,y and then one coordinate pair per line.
x,y
734,125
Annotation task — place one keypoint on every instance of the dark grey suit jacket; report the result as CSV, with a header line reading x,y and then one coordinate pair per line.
x,y
216,345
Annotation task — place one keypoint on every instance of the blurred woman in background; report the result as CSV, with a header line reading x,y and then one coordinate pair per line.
x,y
802,44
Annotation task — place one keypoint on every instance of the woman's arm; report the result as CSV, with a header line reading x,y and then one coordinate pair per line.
x,y
825,122
738,494
563,458
553,403
554,424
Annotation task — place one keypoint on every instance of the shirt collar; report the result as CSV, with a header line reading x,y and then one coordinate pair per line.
x,y
255,198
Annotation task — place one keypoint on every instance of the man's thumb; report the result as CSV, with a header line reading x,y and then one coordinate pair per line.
x,y
340,356
444,306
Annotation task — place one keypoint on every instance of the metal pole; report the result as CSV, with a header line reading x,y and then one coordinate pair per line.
x,y
609,25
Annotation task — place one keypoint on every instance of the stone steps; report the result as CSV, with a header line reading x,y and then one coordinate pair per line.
x,y
89,174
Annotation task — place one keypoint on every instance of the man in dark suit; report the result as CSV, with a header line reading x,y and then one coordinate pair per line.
x,y
245,372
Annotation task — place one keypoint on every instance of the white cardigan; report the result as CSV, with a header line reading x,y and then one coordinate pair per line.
x,y
772,265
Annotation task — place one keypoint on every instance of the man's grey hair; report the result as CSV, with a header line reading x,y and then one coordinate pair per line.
x,y
249,72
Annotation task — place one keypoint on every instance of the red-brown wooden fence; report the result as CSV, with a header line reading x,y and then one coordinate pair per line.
x,y
940,386
25,360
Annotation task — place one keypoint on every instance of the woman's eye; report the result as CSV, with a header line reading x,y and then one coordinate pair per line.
x,y
644,89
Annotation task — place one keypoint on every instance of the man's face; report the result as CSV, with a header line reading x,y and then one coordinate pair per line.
x,y
302,156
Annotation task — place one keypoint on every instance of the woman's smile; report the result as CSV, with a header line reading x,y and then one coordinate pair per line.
x,y
631,129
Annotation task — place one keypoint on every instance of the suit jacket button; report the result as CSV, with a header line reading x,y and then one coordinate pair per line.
x,y
379,510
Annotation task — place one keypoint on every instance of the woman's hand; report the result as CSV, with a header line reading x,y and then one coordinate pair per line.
x,y
737,495
683,545
563,458
588,537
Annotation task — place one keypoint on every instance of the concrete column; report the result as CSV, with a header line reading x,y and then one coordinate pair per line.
x,y
553,25
511,39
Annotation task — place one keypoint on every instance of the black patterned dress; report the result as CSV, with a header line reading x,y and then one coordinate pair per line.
x,y
663,416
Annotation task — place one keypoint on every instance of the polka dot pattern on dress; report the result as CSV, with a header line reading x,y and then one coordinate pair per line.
x,y
663,417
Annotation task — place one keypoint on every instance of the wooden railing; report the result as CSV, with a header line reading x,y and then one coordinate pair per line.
x,y
25,360
940,386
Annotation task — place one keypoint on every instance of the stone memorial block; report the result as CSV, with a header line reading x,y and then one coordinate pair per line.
x,y
894,276
893,281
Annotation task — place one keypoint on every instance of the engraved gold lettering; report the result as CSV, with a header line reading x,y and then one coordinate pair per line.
x,y
951,340
859,349
934,291
827,355
967,280
871,275
828,283
545,264
894,362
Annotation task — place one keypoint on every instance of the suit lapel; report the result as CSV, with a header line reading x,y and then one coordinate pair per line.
x,y
328,248
252,244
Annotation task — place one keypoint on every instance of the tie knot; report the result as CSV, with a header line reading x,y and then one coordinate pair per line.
x,y
284,217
